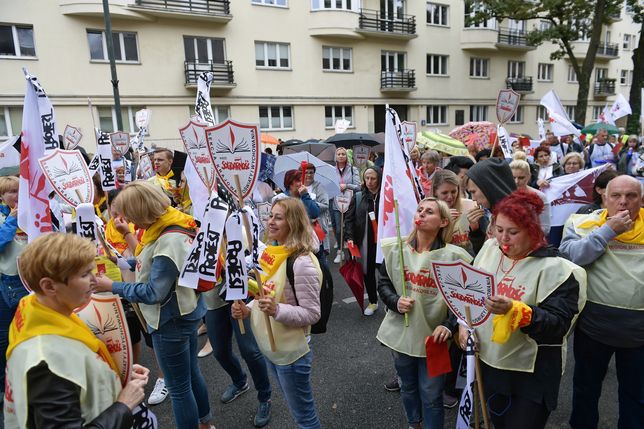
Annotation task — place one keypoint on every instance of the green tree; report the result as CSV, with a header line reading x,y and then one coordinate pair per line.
x,y
569,20
636,8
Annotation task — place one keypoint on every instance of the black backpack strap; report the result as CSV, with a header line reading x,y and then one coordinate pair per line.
x,y
290,275
179,229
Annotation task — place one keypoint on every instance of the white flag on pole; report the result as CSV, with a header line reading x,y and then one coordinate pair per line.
x,y
560,123
466,406
620,108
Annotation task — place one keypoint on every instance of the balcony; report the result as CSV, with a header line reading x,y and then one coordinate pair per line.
x,y
204,10
223,76
398,81
607,50
119,9
479,39
515,40
335,23
370,23
522,85
604,88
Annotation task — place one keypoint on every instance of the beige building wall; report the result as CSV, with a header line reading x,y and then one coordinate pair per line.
x,y
157,79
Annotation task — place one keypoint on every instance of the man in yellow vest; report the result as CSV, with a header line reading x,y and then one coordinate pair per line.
x,y
164,176
609,243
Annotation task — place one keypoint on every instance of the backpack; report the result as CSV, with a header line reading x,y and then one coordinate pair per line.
x,y
326,293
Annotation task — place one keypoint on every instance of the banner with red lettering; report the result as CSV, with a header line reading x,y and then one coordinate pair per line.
x,y
68,174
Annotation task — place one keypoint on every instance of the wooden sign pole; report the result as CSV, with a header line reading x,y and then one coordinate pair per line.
x,y
479,378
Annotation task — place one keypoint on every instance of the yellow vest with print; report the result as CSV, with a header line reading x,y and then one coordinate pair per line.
x,y
174,245
69,359
290,341
531,281
429,310
616,278
12,250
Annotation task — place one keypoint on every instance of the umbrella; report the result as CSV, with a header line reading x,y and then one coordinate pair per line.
x,y
441,143
325,174
347,140
592,129
324,151
291,142
474,132
352,273
268,139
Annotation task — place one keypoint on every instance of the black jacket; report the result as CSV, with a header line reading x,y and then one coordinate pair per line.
x,y
54,402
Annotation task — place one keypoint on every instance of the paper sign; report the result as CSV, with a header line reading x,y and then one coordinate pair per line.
x,y
142,118
360,155
408,130
68,174
353,250
506,104
195,142
343,199
264,213
145,169
71,137
341,126
236,276
120,141
234,150
462,285
105,166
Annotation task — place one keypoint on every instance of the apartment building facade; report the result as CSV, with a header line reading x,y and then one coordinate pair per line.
x,y
293,66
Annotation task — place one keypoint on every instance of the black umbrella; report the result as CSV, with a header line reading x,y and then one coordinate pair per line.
x,y
322,150
348,140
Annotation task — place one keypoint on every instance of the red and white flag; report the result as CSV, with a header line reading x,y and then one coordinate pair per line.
x,y
566,194
39,138
620,108
394,186
560,123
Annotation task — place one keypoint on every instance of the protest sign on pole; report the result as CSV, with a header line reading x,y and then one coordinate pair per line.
x,y
507,102
504,141
408,134
195,142
68,174
105,167
71,137
360,155
120,141
342,202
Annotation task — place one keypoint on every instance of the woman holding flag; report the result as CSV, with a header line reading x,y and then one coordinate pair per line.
x,y
292,283
539,294
419,301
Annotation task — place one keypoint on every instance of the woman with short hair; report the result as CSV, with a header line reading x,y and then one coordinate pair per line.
x,y
572,163
545,168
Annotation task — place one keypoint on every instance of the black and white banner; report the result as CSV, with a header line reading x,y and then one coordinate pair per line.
x,y
104,152
203,109
466,406
86,221
255,229
236,273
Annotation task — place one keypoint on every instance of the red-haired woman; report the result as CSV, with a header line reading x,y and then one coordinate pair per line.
x,y
539,294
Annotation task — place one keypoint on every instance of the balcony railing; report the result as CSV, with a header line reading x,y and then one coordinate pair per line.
x,y
372,20
510,37
608,49
605,87
519,84
399,79
211,7
222,72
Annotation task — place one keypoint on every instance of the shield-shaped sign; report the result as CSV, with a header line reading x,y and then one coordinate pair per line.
x,y
264,212
196,144
463,285
145,169
71,137
69,176
506,104
360,155
142,118
408,131
234,151
343,199
120,141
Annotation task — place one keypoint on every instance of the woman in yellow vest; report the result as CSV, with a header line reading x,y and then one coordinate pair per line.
x,y
173,313
421,394
292,307
539,294
58,373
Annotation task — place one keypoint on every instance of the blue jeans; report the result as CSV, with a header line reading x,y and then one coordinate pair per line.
x,y
176,348
11,291
591,363
422,395
220,333
295,382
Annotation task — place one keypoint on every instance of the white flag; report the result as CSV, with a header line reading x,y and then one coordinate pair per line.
x,y
466,406
560,123
504,141
620,108
606,116
542,129
566,194
394,186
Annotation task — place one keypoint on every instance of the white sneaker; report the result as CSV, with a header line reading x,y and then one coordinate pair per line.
x,y
159,393
338,257
371,308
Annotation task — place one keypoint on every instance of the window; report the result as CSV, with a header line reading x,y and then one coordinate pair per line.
x,y
107,118
437,65
600,74
333,113
17,41
545,25
391,61
626,77
542,113
436,115
353,5
544,72
125,46
479,67
516,69
517,118
628,41
570,111
271,2
220,113
597,111
459,117
204,50
272,55
478,113
471,7
572,75
276,117
10,121
336,59
437,14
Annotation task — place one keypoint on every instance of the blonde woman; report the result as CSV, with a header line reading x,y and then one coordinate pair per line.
x,y
572,163
294,276
421,394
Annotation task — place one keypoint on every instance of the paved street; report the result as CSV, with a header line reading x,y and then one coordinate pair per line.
x,y
349,369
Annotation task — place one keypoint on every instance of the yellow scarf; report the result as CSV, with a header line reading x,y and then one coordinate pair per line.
x,y
33,319
269,262
115,238
165,180
503,325
634,236
171,217
97,207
